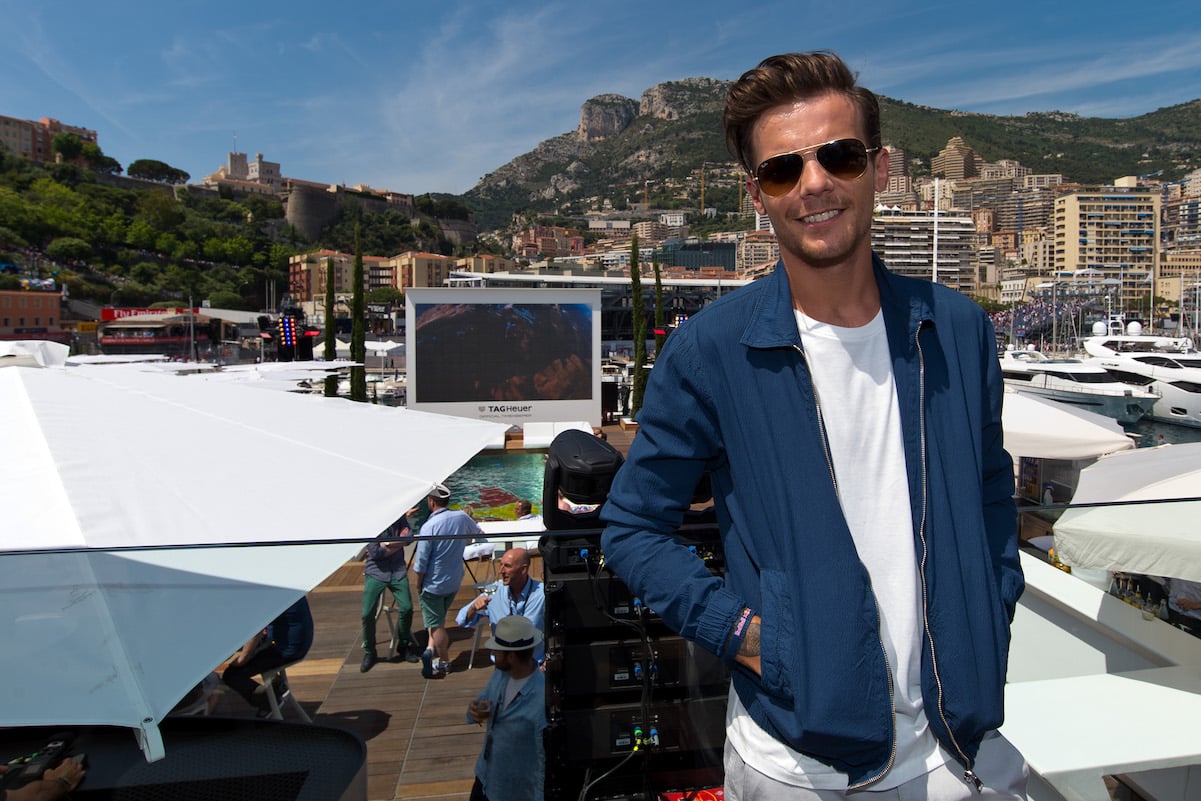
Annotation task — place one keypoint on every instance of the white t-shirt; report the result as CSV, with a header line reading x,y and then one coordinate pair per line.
x,y
852,377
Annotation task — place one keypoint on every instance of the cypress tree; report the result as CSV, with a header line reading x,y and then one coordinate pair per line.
x,y
358,330
639,311
331,346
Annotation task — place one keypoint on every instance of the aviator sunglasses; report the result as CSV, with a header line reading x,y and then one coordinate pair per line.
x,y
842,158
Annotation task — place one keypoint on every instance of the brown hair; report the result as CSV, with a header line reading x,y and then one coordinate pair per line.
x,y
786,78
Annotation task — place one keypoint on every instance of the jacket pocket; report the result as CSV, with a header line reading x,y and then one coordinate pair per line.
x,y
776,635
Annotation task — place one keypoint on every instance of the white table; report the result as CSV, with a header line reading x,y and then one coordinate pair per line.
x,y
1074,730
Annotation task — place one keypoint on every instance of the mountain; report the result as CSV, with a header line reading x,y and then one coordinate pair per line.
x,y
624,149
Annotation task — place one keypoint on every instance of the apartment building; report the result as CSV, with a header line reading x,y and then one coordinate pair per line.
x,y
414,268
306,274
1182,223
979,193
485,263
956,161
654,231
1112,232
31,314
1038,255
33,139
547,241
1026,209
758,250
905,241
1042,181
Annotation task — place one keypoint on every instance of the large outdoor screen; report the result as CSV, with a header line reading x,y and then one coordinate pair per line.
x,y
510,355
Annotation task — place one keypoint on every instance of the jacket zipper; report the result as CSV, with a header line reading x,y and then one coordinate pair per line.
x,y
968,775
821,426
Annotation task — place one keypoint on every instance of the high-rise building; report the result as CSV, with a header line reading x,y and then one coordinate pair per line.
x,y
1111,232
1024,210
1182,223
956,160
905,240
757,251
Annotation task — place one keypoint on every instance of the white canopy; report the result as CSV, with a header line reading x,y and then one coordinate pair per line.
x,y
382,347
33,353
150,523
1157,539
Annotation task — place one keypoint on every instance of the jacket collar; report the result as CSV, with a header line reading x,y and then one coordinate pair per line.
x,y
772,322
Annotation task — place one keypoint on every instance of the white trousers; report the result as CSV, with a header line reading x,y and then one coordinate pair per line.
x,y
998,765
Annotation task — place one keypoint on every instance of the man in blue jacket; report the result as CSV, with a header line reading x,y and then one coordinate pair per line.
x,y
849,420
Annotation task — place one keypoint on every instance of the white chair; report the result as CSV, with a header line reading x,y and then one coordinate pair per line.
x,y
479,552
269,677
382,607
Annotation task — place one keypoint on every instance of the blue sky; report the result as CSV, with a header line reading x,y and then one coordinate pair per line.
x,y
428,97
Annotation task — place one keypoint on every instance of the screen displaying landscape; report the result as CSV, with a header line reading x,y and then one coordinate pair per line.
x,y
503,352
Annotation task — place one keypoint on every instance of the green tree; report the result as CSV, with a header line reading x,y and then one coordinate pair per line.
x,y
94,157
69,248
67,145
154,170
140,234
11,239
161,211
639,312
358,329
386,294
226,299
331,345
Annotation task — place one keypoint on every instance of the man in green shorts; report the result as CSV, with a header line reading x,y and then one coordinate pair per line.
x,y
438,570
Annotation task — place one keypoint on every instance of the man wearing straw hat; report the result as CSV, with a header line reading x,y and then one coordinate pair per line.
x,y
512,707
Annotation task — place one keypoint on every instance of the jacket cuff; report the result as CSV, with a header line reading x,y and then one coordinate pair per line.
x,y
719,627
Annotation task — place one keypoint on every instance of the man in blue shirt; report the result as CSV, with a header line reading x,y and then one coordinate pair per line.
x,y
438,571
514,593
513,707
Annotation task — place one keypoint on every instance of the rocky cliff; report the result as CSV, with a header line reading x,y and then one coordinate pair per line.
x,y
604,116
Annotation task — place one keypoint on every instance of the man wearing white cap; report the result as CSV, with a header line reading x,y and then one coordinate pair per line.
x,y
438,570
512,706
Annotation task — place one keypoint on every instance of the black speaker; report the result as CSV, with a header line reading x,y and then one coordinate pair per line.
x,y
627,699
579,472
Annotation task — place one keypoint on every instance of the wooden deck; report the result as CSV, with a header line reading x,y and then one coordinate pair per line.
x,y
418,744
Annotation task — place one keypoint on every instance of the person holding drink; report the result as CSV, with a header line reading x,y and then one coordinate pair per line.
x,y
513,711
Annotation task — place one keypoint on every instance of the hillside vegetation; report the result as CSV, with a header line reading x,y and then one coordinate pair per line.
x,y
135,243
128,242
676,128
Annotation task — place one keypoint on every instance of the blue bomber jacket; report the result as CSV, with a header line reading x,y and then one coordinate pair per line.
x,y
731,395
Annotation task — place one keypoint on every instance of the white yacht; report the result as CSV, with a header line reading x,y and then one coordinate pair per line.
x,y
1076,383
1168,366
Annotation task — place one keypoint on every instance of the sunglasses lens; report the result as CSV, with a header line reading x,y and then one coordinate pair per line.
x,y
845,158
779,174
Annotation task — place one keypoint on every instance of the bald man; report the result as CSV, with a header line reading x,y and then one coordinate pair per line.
x,y
514,593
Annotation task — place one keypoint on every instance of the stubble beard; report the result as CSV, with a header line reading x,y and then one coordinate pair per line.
x,y
837,248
